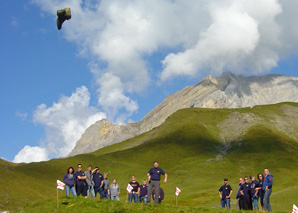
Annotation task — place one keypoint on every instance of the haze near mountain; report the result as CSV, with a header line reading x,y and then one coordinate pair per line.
x,y
226,91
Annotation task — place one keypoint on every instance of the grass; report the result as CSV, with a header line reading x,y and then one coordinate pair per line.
x,y
187,146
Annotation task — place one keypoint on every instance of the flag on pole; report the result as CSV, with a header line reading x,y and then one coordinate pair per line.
x,y
129,188
60,185
295,209
177,191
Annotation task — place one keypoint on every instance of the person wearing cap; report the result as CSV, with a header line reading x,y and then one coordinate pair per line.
x,y
239,196
90,182
154,178
267,187
245,191
225,193
254,187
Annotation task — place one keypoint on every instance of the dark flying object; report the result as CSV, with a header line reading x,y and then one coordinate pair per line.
x,y
63,14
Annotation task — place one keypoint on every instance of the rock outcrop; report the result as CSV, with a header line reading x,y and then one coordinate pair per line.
x,y
227,91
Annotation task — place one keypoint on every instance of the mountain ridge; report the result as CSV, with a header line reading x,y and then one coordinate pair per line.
x,y
227,91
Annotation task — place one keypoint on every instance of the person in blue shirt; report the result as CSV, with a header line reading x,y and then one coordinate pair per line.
x,y
225,193
98,183
70,179
267,187
245,192
81,187
154,178
254,187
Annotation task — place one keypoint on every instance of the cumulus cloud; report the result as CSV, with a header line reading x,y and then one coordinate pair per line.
x,y
66,120
31,154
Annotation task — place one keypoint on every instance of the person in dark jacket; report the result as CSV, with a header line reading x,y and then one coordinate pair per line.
x,y
70,179
254,187
267,187
98,183
161,195
143,192
245,191
261,191
239,196
81,187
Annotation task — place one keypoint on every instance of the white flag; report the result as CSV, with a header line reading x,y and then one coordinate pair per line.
x,y
177,191
60,185
295,209
129,188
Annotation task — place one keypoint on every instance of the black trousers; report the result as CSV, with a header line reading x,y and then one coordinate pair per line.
x,y
82,189
241,202
247,203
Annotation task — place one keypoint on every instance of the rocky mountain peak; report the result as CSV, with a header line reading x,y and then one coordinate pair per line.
x,y
227,91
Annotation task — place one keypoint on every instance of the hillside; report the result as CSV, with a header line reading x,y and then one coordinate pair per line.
x,y
226,91
189,147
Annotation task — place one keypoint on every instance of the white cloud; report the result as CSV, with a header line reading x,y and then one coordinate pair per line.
x,y
66,120
31,154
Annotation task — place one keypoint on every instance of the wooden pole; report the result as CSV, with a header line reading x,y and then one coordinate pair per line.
x,y
57,198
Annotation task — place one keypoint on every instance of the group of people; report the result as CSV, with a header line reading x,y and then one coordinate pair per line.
x,y
92,182
249,193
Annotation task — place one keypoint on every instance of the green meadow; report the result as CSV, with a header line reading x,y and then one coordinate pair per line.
x,y
188,147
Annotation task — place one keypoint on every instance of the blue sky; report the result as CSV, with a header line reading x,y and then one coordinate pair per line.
x,y
68,77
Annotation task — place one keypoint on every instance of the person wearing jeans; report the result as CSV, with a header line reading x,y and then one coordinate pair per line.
x,y
225,193
143,192
254,187
98,183
70,179
267,187
114,190
90,182
135,191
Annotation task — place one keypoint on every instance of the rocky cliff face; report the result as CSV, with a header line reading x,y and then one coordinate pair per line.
x,y
227,91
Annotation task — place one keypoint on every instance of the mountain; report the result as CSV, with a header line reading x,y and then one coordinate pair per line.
x,y
196,147
227,91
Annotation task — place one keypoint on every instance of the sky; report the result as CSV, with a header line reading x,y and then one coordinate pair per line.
x,y
119,59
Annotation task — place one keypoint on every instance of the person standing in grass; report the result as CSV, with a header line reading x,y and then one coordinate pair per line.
x,y
98,183
80,182
135,191
261,191
90,182
70,179
245,191
114,190
239,196
254,187
106,184
143,192
154,178
267,187
225,193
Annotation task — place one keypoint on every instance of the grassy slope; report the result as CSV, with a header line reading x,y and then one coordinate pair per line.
x,y
187,147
